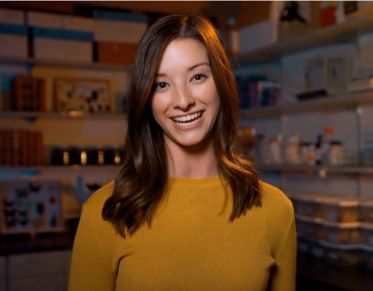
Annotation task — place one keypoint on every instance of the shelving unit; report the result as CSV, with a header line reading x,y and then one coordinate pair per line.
x,y
321,170
331,34
63,64
56,115
334,102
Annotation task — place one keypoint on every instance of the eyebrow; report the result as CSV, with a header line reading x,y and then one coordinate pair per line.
x,y
189,69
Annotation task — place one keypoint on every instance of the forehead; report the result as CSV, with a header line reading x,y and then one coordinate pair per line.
x,y
183,52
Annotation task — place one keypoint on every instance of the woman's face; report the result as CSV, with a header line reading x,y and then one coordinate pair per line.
x,y
185,103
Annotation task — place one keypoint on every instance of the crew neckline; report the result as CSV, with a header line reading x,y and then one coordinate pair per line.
x,y
195,182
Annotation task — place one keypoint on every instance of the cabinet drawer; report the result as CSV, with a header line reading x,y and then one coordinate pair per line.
x,y
47,282
2,274
35,264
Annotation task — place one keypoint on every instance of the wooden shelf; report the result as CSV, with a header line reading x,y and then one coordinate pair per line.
x,y
321,170
33,115
32,171
63,64
341,32
333,102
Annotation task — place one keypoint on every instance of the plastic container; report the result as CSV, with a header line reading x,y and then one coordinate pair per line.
x,y
366,211
342,233
367,256
367,233
307,205
309,228
342,255
340,210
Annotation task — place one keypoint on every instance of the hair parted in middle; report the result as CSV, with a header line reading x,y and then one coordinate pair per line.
x,y
140,184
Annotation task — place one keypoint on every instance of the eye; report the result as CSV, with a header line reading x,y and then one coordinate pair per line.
x,y
199,77
160,85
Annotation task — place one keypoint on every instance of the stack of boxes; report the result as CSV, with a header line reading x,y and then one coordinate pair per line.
x,y
116,36
337,230
106,37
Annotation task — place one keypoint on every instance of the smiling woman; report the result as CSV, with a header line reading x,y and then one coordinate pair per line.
x,y
185,212
185,103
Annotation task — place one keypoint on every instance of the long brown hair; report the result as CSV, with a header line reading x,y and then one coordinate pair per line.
x,y
141,182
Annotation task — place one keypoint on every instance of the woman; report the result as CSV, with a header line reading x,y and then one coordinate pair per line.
x,y
185,211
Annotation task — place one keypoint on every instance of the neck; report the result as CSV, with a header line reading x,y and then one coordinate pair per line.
x,y
191,162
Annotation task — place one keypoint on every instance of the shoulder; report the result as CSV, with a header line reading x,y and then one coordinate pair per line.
x,y
277,204
94,204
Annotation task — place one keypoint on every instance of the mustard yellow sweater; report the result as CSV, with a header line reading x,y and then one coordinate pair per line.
x,y
190,245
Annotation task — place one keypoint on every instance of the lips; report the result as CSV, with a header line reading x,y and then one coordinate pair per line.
x,y
187,119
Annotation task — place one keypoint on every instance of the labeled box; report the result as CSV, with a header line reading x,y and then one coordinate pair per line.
x,y
78,23
62,45
264,33
13,41
119,26
12,16
115,53
43,19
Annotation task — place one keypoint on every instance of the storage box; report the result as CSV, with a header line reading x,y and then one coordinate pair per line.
x,y
309,228
63,45
307,205
257,36
340,210
12,16
366,211
78,23
115,53
42,19
342,233
367,255
367,232
341,255
128,32
119,26
13,40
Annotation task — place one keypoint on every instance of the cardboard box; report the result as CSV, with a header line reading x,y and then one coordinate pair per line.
x,y
63,45
115,53
119,26
13,40
116,31
258,35
42,19
12,16
78,23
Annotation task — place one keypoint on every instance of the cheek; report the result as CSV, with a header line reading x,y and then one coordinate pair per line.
x,y
159,104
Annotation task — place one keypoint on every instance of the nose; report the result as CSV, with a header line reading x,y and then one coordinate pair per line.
x,y
183,99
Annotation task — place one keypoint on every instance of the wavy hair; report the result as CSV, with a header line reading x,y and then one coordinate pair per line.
x,y
142,180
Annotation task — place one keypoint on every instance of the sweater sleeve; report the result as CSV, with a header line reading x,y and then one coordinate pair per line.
x,y
89,269
283,277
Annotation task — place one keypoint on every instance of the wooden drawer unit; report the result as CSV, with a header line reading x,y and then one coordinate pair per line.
x,y
2,274
38,271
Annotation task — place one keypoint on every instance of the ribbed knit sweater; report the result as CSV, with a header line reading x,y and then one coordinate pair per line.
x,y
190,244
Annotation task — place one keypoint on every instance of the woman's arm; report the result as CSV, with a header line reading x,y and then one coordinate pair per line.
x,y
89,268
283,277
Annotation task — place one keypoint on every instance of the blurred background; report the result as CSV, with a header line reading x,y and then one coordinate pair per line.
x,y
304,75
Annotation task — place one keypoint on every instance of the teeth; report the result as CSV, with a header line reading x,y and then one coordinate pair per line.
x,y
187,118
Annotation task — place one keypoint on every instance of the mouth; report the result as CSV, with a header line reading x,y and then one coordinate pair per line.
x,y
187,119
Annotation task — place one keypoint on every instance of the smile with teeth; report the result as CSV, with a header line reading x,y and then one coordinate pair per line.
x,y
187,119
